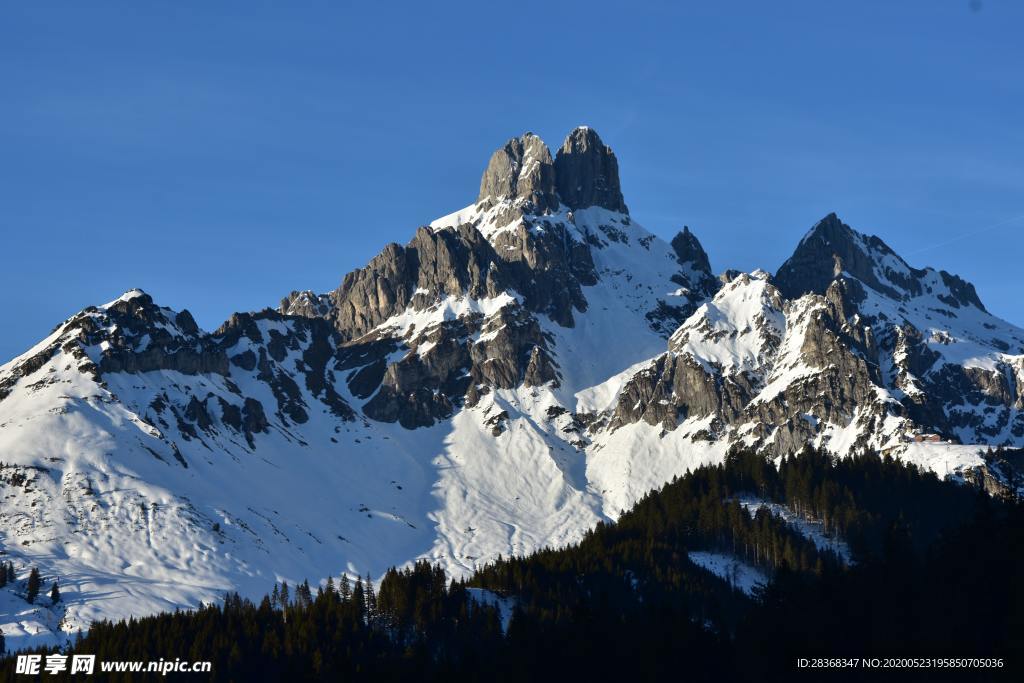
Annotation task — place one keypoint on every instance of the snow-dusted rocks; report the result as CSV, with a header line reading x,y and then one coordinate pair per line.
x,y
866,352
480,297
831,249
954,367
522,174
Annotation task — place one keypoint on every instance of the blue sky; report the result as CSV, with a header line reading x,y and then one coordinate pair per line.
x,y
219,155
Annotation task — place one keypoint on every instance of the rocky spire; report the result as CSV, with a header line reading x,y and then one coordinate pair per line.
x,y
587,172
695,272
689,250
520,171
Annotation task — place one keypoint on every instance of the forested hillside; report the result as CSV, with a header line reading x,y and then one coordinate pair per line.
x,y
932,570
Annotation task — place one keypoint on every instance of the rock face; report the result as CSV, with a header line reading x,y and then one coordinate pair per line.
x,y
694,260
521,172
306,303
535,236
587,172
689,250
147,338
832,248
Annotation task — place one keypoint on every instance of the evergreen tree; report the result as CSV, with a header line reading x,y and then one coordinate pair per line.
x,y
32,588
54,594
345,588
371,599
359,599
303,595
284,595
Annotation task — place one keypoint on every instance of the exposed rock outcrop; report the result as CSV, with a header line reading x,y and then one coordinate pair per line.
x,y
522,174
832,249
695,264
689,250
587,172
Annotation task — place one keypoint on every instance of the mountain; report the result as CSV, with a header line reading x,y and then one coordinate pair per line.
x,y
519,371
847,347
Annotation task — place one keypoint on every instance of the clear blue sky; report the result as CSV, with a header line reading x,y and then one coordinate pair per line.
x,y
219,155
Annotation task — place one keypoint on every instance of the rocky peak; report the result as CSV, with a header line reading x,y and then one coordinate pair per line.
x,y
695,268
689,250
831,248
520,172
135,313
822,254
587,172
306,303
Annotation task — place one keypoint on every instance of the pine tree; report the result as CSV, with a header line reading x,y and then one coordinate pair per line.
x,y
345,588
359,597
32,589
371,600
284,595
54,594
303,595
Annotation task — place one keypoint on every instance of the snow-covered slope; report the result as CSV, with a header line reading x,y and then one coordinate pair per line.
x,y
520,370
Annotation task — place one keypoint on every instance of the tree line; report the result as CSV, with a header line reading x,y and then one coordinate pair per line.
x,y
934,573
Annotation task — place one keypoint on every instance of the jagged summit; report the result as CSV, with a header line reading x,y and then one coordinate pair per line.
x,y
688,248
522,174
694,262
587,172
828,249
521,171
832,249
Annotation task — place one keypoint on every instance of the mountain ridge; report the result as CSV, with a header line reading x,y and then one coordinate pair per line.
x,y
520,370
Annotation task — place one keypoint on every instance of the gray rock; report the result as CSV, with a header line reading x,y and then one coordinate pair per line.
x,y
587,172
306,304
522,173
832,248
694,261
547,268
689,251
540,369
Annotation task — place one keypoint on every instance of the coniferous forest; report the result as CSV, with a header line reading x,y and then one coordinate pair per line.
x,y
934,570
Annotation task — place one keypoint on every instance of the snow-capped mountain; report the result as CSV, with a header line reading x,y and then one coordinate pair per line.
x,y
523,368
